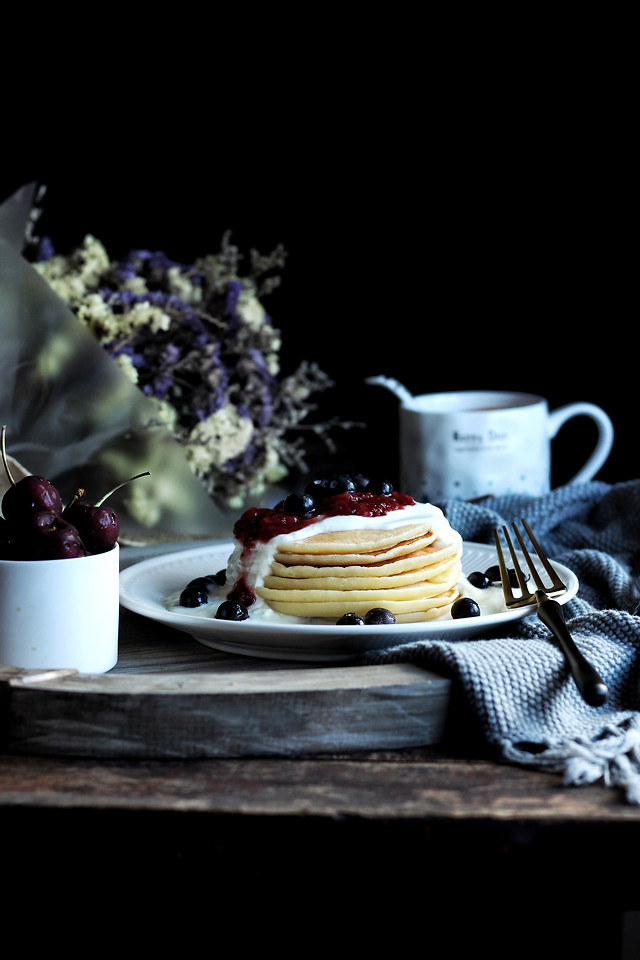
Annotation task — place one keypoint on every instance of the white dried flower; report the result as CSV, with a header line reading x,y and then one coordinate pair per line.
x,y
126,365
146,315
91,260
221,437
166,413
251,310
135,285
181,286
70,287
56,266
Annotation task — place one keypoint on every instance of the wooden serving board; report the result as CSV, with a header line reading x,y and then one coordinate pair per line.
x,y
171,697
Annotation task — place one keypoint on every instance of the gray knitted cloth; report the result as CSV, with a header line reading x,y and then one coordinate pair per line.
x,y
517,684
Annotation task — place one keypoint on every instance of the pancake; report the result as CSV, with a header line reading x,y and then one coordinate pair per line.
x,y
374,596
375,576
402,548
361,565
405,611
358,541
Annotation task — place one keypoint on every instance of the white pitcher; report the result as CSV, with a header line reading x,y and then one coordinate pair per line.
x,y
477,443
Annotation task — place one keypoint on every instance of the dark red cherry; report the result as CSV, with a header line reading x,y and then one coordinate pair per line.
x,y
98,526
52,538
28,495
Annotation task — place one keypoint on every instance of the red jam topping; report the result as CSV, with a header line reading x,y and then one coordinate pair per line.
x,y
262,523
364,504
242,593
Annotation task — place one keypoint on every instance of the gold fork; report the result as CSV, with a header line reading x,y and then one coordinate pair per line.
x,y
588,681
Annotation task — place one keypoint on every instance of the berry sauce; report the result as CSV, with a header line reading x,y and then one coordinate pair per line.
x,y
261,524
242,593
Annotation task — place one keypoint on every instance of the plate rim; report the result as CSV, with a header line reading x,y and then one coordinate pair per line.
x,y
245,637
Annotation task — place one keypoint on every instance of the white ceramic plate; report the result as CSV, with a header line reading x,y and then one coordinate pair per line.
x,y
146,586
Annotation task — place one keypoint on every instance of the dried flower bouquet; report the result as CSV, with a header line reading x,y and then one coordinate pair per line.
x,y
198,341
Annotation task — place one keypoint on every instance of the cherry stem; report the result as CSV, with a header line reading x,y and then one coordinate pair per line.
x,y
4,457
147,473
79,493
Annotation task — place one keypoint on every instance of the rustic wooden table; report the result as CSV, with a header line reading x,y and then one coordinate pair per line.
x,y
379,844
420,842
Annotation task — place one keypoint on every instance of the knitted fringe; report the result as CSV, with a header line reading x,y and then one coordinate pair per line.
x,y
613,757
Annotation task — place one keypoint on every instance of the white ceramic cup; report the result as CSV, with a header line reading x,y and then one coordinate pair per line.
x,y
60,614
474,444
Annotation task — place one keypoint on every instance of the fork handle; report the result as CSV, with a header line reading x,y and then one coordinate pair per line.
x,y
588,681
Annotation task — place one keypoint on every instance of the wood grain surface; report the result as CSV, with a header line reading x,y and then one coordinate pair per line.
x,y
170,696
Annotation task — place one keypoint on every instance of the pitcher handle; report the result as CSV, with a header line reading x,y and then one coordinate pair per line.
x,y
605,435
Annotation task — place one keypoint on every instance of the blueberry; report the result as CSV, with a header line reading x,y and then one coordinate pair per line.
x,y
230,610
300,504
219,578
341,483
480,580
207,583
513,580
361,482
316,489
379,615
381,487
194,595
493,574
464,607
349,618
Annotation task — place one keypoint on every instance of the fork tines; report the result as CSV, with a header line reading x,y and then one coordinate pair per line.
x,y
556,586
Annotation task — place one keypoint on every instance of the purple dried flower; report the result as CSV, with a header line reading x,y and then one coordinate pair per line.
x,y
257,359
234,289
115,349
124,272
241,462
159,386
265,412
198,328
171,353
45,249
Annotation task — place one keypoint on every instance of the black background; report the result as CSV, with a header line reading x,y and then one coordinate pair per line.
x,y
451,236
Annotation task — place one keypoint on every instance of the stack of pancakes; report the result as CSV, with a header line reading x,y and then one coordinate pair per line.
x,y
405,569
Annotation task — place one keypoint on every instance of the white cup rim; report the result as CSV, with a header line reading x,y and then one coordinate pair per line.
x,y
474,401
95,558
